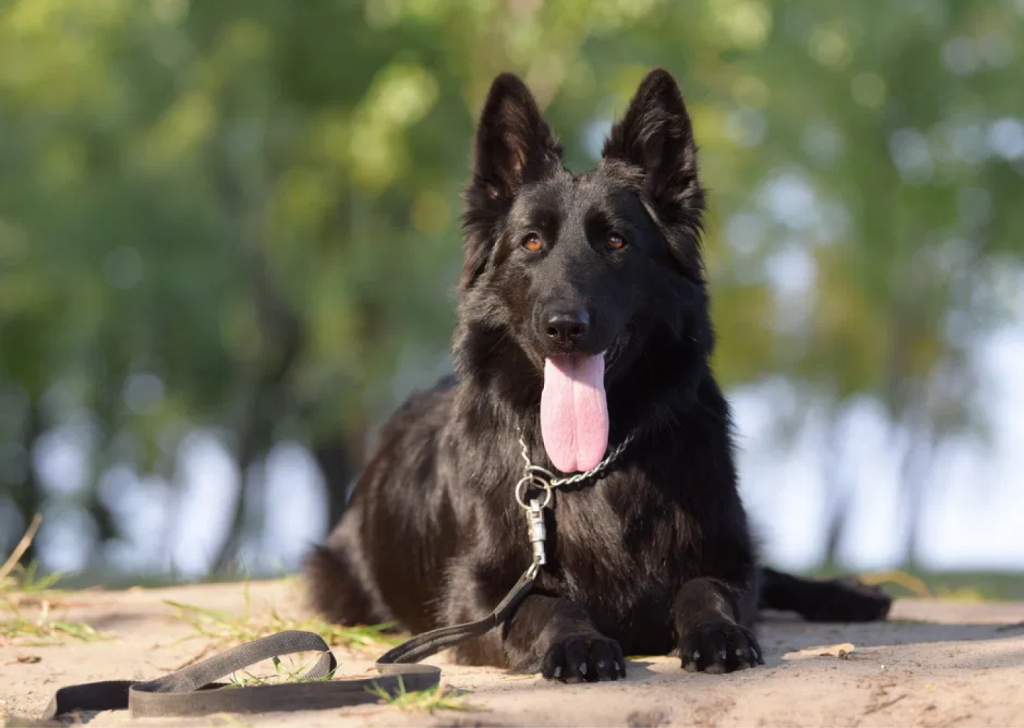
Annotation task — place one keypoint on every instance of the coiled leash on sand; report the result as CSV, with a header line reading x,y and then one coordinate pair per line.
x,y
194,690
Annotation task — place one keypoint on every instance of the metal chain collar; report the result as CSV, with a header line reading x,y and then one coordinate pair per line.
x,y
545,480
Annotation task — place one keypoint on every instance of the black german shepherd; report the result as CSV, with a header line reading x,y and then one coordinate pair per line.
x,y
583,325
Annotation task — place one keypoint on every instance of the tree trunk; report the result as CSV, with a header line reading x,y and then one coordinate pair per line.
x,y
27,495
914,476
838,491
338,459
267,398
265,402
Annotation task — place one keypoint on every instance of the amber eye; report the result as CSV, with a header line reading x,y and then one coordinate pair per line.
x,y
615,242
533,243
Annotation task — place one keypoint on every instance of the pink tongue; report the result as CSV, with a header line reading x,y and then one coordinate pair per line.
x,y
574,412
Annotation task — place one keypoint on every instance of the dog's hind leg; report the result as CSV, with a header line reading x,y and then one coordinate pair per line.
x,y
339,584
827,600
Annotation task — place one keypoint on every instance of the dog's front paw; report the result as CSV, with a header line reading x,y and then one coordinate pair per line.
x,y
583,657
718,647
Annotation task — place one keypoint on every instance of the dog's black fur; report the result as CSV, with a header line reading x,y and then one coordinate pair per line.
x,y
654,556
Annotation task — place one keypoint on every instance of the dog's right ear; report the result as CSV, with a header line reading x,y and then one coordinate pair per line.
x,y
514,146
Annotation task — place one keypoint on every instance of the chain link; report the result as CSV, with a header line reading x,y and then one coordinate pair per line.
x,y
535,470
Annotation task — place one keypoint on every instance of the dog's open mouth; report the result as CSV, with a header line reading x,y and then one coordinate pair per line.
x,y
574,408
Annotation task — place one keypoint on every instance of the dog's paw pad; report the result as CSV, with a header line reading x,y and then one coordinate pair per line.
x,y
719,647
579,658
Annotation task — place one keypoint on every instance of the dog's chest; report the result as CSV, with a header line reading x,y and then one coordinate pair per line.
x,y
623,565
631,547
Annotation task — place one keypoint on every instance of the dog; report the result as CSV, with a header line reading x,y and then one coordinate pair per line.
x,y
582,342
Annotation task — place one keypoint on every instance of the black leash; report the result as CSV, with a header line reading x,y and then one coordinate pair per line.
x,y
195,691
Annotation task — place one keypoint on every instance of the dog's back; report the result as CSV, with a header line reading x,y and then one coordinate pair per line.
x,y
381,561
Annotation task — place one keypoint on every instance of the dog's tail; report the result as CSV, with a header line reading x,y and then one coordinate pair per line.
x,y
826,600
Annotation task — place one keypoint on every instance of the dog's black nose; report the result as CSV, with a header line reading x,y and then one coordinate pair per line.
x,y
567,328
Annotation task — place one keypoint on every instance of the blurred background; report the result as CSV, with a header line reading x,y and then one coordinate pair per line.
x,y
229,239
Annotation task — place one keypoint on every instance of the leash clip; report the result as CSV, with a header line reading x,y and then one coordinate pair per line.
x,y
538,533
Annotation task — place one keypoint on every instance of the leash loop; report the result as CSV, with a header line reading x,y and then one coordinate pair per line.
x,y
193,691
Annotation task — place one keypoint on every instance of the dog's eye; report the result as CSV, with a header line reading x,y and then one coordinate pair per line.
x,y
615,242
533,243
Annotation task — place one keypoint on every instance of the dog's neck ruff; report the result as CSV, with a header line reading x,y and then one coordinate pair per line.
x,y
536,478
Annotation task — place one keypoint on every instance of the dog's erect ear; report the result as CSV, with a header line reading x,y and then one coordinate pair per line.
x,y
513,146
656,136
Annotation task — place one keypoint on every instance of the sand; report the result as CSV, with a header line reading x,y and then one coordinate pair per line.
x,y
934,663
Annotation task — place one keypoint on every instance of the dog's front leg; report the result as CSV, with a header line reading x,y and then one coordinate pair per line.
x,y
556,636
710,618
547,634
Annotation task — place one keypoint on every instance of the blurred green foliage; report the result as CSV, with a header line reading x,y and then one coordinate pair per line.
x,y
244,214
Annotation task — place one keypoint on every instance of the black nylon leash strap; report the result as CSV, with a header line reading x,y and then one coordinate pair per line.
x,y
194,690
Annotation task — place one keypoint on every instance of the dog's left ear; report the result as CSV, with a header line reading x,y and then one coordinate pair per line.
x,y
513,147
656,136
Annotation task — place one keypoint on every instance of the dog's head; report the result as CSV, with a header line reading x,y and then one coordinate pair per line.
x,y
575,284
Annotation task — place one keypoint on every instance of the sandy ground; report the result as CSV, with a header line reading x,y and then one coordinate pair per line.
x,y
933,664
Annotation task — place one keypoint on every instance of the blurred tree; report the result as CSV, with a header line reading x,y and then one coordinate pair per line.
x,y
243,215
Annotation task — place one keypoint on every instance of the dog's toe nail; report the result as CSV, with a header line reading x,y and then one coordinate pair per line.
x,y
696,655
583,669
558,671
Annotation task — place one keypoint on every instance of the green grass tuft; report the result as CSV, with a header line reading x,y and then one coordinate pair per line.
x,y
438,698
26,611
282,674
230,628
27,601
